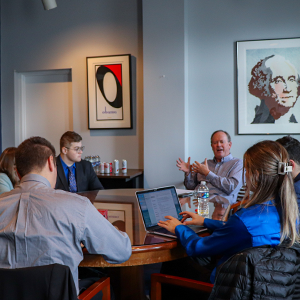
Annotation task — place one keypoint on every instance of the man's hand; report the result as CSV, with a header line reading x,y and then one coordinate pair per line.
x,y
201,168
184,166
169,224
196,219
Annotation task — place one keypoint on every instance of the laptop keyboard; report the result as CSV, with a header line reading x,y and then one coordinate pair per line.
x,y
163,230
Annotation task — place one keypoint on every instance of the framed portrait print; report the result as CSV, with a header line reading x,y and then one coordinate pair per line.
x,y
118,214
268,86
109,91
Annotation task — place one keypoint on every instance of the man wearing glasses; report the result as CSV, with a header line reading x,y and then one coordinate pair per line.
x,y
73,173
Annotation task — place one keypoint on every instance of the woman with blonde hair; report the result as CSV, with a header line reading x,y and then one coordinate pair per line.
x,y
8,175
268,218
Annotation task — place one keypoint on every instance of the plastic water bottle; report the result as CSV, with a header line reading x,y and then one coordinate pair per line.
x,y
202,195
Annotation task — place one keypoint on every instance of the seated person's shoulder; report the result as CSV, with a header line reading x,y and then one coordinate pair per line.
x,y
235,162
85,162
86,165
67,196
235,159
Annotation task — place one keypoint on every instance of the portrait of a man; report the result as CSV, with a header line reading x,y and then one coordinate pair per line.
x,y
276,82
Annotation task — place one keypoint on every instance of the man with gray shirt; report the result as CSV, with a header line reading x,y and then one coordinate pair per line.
x,y
223,173
41,226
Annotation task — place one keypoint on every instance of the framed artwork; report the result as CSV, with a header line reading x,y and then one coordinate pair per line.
x,y
268,86
109,91
119,215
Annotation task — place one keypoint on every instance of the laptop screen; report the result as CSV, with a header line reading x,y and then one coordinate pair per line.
x,y
157,203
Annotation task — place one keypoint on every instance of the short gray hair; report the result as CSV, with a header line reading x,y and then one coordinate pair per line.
x,y
228,136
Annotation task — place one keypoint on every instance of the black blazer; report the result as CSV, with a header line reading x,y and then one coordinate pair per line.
x,y
86,178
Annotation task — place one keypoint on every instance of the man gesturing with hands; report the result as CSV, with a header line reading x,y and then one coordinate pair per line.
x,y
223,174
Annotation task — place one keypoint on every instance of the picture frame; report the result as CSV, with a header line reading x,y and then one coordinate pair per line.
x,y
109,92
268,86
119,214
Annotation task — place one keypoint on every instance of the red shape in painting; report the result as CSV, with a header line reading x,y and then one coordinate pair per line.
x,y
117,70
104,213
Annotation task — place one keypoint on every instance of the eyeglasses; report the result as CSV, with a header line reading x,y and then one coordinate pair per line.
x,y
77,149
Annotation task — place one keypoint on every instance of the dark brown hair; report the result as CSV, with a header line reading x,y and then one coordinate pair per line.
x,y
69,137
7,164
261,162
32,154
292,146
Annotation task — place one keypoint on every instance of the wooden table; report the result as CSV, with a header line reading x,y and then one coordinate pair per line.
x,y
127,278
134,178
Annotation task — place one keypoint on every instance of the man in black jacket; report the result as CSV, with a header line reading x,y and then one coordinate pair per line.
x,y
292,146
73,173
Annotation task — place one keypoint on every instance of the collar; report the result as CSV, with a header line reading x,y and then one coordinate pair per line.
x,y
65,165
268,202
225,159
297,178
36,178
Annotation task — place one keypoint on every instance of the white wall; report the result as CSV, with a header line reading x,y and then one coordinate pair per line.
x,y
193,42
164,125
213,28
62,38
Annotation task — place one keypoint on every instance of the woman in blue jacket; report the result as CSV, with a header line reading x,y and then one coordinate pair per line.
x,y
268,218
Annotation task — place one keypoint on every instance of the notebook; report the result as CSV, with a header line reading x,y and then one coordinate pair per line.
x,y
157,203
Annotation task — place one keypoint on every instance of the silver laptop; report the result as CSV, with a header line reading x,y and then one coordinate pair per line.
x,y
157,203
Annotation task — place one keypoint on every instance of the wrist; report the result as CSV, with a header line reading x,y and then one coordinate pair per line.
x,y
187,173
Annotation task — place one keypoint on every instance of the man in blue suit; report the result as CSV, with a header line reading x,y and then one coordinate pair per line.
x,y
73,173
292,146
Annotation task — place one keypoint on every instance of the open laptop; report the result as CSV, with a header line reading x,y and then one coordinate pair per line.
x,y
157,203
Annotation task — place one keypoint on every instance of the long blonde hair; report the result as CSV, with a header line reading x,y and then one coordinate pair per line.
x,y
261,162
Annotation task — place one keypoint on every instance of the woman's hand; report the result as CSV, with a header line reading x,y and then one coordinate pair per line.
x,y
196,219
169,224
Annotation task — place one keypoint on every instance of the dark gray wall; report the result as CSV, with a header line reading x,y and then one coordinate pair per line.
x,y
34,39
193,42
187,50
163,36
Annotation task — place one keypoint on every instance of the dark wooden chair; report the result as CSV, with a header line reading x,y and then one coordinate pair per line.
x,y
234,207
241,193
101,285
158,279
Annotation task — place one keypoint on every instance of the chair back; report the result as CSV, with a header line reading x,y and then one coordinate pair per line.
x,y
241,193
231,209
51,282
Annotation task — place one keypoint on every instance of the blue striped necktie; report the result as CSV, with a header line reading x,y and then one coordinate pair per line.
x,y
72,181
